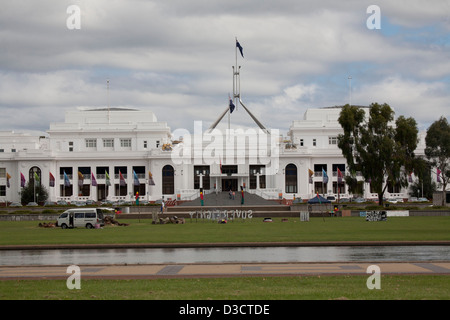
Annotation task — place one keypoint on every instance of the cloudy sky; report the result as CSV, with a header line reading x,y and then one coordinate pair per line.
x,y
175,58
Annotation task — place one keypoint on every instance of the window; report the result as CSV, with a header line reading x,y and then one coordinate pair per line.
x,y
91,143
108,143
301,142
145,144
125,143
2,172
314,142
2,191
332,140
206,183
13,150
168,180
291,178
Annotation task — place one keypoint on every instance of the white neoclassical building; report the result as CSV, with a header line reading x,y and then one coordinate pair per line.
x,y
114,153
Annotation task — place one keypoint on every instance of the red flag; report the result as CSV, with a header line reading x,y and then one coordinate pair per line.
x,y
122,180
51,180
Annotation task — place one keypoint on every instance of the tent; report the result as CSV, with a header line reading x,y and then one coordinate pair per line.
x,y
316,200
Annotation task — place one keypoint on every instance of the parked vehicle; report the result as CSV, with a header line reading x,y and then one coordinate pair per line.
x,y
15,204
86,217
32,204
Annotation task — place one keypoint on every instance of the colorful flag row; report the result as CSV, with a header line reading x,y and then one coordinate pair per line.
x,y
325,176
67,182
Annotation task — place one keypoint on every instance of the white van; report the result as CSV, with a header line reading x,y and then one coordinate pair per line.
x,y
87,217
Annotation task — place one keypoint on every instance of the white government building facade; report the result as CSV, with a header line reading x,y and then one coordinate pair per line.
x,y
113,153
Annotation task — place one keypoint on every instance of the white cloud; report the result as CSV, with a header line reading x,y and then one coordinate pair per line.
x,y
177,55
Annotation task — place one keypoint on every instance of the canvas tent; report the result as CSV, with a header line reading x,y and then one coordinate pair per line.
x,y
316,200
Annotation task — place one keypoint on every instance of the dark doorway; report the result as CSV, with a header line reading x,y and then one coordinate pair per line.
x,y
228,184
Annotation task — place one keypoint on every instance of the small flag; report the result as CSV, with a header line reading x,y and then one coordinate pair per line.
x,y
51,180
136,179
22,180
201,197
93,180
7,180
238,45
311,173
151,182
232,106
80,179
122,181
438,174
325,177
66,180
242,195
36,177
137,198
318,197
107,179
340,175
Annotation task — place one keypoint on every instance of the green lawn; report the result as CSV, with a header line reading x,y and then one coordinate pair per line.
x,y
428,287
393,287
252,230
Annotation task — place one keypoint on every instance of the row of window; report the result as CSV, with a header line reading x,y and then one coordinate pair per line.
x,y
331,141
109,143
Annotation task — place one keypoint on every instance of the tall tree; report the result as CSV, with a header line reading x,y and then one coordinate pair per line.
x,y
33,192
437,151
373,145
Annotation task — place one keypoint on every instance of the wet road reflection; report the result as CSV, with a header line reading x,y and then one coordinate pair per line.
x,y
225,255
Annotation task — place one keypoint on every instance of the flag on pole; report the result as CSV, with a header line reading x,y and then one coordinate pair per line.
x,y
242,195
241,50
318,197
231,104
220,166
340,176
136,179
7,180
151,182
107,179
80,179
66,180
201,196
137,198
93,180
22,180
122,181
325,177
51,180
311,173
36,177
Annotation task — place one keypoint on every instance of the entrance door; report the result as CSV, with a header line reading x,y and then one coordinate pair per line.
x,y
228,184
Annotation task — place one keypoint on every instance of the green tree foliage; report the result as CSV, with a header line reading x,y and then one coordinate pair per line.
x,y
437,150
383,151
30,190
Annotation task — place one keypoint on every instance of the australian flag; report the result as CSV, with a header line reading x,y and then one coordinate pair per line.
x,y
232,106
240,48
